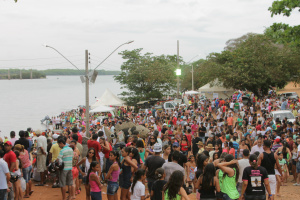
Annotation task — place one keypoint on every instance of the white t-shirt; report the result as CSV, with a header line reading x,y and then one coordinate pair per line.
x,y
231,105
298,152
243,163
138,191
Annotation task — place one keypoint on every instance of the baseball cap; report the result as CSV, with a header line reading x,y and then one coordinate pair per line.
x,y
277,140
157,147
165,124
8,143
175,144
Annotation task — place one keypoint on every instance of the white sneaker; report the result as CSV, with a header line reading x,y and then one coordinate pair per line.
x,y
296,184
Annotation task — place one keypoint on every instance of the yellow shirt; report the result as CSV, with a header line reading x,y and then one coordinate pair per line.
x,y
55,149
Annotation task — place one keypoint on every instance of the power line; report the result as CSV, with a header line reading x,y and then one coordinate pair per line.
x,y
21,59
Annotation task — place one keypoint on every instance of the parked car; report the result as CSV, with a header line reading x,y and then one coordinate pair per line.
x,y
282,114
291,95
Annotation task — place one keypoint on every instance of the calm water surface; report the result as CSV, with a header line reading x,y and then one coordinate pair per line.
x,y
25,102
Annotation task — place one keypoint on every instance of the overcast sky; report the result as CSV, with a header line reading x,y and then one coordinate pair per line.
x,y
71,26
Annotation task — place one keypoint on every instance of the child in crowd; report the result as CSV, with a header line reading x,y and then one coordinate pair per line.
x,y
94,181
113,175
157,187
138,188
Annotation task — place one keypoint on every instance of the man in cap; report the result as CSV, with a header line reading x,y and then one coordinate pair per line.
x,y
152,163
276,144
182,158
41,156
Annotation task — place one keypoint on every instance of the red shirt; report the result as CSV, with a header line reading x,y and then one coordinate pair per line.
x,y
10,157
189,138
79,138
258,127
94,144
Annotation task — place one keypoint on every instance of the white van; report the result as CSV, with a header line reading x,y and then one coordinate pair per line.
x,y
282,114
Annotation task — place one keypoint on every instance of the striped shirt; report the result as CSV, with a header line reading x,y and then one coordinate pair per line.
x,y
66,155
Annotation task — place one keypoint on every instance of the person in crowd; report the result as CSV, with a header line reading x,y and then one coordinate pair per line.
x,y
90,157
170,167
173,189
22,140
41,156
137,188
268,160
113,175
65,175
13,138
106,148
26,168
190,170
230,177
4,177
255,181
127,167
152,163
208,184
166,152
141,149
94,181
157,187
11,159
18,194
243,163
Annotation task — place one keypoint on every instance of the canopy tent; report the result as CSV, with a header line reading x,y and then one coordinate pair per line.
x,y
191,92
108,99
215,89
102,109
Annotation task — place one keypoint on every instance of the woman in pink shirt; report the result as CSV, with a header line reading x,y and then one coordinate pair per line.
x,y
94,181
26,168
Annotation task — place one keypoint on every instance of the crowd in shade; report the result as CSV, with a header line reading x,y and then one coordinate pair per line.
x,y
216,148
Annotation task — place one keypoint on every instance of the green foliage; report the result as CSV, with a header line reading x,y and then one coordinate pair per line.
x,y
284,7
15,74
254,64
283,33
146,76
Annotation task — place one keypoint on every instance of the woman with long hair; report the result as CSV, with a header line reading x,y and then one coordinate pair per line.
x,y
255,181
152,140
184,145
94,181
27,168
208,183
113,175
135,157
141,149
174,187
166,152
230,177
90,157
137,189
128,166
17,184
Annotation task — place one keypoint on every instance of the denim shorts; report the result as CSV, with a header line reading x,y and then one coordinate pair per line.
x,y
26,173
112,188
96,195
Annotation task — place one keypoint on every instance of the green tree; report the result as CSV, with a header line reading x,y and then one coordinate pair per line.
x,y
255,64
145,76
283,33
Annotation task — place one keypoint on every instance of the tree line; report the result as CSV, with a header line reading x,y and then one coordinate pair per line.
x,y
253,62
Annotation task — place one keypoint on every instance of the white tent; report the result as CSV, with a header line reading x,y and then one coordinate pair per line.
x,y
215,89
108,99
102,109
191,92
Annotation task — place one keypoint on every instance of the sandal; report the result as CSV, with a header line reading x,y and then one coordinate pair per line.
x,y
30,193
40,184
26,197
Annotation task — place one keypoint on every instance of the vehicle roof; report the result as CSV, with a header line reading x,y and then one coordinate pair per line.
x,y
281,111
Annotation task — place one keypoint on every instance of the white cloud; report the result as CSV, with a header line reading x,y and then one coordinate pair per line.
x,y
71,26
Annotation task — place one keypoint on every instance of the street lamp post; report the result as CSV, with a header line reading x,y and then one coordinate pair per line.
x,y
192,71
87,79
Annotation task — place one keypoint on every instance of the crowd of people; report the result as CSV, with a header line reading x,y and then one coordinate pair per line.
x,y
219,149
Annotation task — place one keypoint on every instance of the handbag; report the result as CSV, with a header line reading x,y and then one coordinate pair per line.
x,y
13,177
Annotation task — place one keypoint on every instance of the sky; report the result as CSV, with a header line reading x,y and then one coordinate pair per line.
x,y
100,26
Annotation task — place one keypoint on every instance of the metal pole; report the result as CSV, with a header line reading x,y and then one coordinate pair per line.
x,y
8,75
30,73
87,105
20,74
178,68
192,77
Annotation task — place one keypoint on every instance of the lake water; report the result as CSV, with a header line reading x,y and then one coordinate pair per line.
x,y
25,102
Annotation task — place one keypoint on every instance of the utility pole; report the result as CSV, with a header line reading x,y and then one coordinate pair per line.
x,y
8,75
177,68
87,99
30,73
192,77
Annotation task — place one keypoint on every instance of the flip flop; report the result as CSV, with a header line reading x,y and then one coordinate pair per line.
x,y
30,193
40,184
